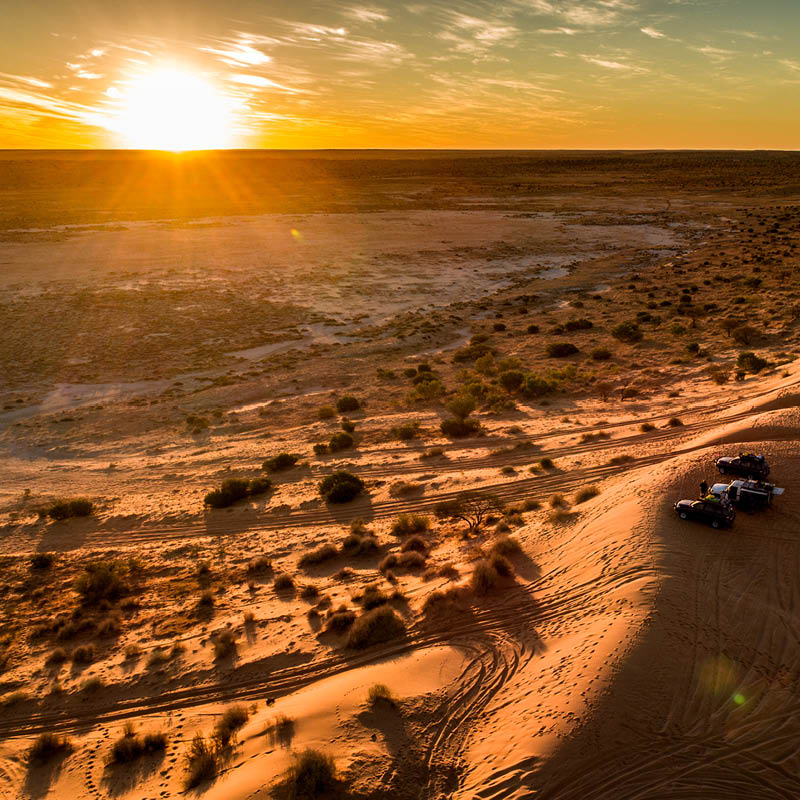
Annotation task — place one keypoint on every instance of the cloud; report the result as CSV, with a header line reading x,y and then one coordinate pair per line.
x,y
586,14
39,84
790,64
715,54
371,16
652,33
239,53
614,65
259,81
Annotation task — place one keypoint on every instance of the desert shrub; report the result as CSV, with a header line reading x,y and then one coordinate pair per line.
x,y
206,601
157,657
83,654
326,412
201,763
501,565
224,644
532,329
58,656
587,493
409,372
373,597
646,427
627,332
47,746
407,524
674,422
472,352
280,462
511,380
66,509
581,324
461,406
309,592
558,501
745,334
325,552
347,425
231,491
459,428
320,449
379,694
340,620
258,486
484,577
446,601
379,625
347,404
546,463
409,560
340,441
407,431
41,560
693,348
601,354
561,349
498,327
750,362
416,543
130,746
258,565
284,582
312,775
357,544
434,452
341,487
536,386
615,461
507,546
227,726
102,580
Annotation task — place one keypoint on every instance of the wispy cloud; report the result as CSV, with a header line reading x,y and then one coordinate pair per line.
x,y
614,65
652,33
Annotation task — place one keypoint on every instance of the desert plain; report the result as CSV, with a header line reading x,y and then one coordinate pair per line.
x,y
563,342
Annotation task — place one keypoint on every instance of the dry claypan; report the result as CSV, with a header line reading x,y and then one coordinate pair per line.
x,y
571,357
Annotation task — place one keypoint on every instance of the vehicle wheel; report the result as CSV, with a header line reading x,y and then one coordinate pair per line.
x,y
715,524
682,515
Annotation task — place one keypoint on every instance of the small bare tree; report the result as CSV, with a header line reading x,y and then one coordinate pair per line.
x,y
472,507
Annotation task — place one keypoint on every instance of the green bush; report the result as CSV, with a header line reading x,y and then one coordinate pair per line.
x,y
627,332
280,462
231,491
407,431
459,428
347,404
341,487
348,426
511,380
340,441
259,486
561,349
326,412
750,362
320,449
536,386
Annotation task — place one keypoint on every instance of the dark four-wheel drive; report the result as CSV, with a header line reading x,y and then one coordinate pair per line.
x,y
712,512
745,465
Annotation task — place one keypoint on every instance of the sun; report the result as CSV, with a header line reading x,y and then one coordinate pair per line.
x,y
173,109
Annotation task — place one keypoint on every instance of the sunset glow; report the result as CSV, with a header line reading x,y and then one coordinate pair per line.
x,y
169,109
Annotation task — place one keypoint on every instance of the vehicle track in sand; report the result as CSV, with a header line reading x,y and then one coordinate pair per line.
x,y
537,487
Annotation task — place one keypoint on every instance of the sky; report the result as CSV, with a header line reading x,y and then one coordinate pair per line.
x,y
510,74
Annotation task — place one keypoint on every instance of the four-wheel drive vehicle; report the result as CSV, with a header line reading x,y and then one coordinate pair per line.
x,y
747,495
715,513
746,465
